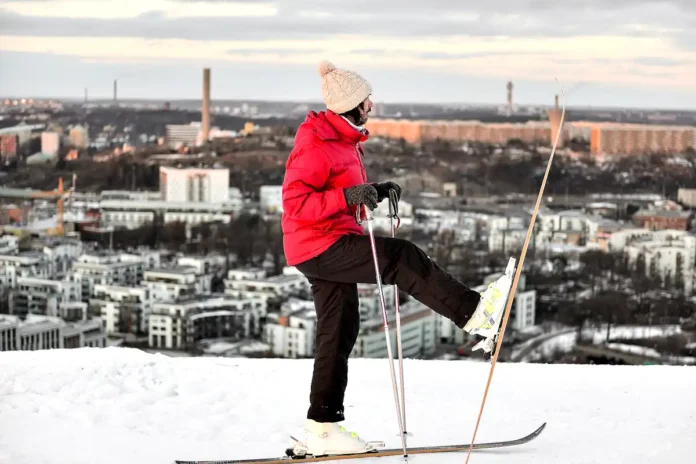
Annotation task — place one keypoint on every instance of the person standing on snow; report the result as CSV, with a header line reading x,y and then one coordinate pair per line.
x,y
325,183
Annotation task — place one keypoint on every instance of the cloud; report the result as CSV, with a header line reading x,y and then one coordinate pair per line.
x,y
274,51
623,42
303,19
96,9
657,61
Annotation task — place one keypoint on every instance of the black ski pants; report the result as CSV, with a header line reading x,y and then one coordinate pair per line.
x,y
334,276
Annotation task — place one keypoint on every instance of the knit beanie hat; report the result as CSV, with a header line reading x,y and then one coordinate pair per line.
x,y
342,90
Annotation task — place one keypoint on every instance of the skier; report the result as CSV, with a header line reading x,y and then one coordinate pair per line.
x,y
325,183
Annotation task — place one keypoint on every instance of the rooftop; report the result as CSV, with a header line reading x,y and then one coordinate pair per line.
x,y
9,321
662,213
172,270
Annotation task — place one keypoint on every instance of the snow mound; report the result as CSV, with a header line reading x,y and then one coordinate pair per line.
x,y
118,405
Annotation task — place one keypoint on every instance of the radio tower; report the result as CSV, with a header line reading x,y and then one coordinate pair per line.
x,y
205,110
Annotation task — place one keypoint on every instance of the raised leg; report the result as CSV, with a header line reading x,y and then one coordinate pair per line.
x,y
402,263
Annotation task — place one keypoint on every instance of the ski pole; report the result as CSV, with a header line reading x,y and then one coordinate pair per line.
x,y
513,288
385,320
394,214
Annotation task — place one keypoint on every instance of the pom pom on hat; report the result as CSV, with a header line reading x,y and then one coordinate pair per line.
x,y
325,67
342,90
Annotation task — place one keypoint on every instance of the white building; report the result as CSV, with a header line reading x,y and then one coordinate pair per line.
x,y
60,254
132,214
418,333
25,264
50,143
620,239
9,244
45,332
79,137
506,240
266,287
87,333
506,222
123,310
205,267
43,296
182,134
40,334
9,333
291,334
170,284
570,227
106,269
271,198
370,304
180,324
667,254
380,216
194,185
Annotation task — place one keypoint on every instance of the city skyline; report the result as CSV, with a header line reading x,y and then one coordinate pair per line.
x,y
628,54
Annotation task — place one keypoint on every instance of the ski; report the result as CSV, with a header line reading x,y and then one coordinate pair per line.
x,y
377,453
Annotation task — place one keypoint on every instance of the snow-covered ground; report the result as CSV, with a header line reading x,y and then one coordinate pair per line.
x,y
118,405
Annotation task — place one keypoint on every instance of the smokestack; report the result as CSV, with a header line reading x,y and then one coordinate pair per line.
x,y
86,98
555,102
115,90
509,97
205,111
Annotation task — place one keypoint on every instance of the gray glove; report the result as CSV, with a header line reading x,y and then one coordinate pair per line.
x,y
363,194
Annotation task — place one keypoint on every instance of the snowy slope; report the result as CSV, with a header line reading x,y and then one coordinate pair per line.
x,y
118,406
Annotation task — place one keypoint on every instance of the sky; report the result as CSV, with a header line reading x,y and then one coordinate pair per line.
x,y
630,53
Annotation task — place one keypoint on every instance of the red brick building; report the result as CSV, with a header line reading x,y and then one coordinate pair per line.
x,y
662,220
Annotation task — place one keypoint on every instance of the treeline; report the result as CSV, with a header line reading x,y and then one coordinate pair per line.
x,y
607,289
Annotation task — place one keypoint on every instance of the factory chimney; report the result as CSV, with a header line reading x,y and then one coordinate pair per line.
x,y
205,112
115,90
509,98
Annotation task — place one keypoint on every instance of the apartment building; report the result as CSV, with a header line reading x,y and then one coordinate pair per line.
x,y
106,269
291,333
46,332
669,254
43,296
182,323
9,333
632,139
206,267
264,287
418,333
60,254
25,264
123,310
171,284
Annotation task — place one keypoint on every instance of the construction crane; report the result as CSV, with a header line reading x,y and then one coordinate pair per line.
x,y
59,195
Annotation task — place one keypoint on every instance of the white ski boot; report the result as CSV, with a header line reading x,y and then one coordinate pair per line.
x,y
486,319
332,439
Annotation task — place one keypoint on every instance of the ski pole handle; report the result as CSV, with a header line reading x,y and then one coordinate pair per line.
x,y
394,207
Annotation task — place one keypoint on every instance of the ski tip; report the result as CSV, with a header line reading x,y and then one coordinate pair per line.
x,y
540,429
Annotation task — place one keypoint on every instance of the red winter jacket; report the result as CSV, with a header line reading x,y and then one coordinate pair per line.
x,y
326,159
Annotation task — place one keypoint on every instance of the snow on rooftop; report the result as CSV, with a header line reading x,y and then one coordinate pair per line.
x,y
72,406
